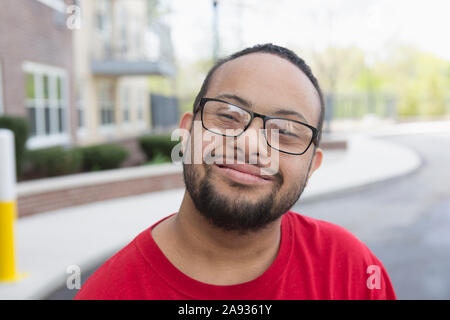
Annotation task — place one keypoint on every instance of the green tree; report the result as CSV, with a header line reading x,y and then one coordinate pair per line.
x,y
189,80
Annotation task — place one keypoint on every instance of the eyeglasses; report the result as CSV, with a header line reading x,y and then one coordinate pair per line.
x,y
221,117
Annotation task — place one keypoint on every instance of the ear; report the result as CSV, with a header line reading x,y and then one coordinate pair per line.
x,y
185,125
186,121
315,162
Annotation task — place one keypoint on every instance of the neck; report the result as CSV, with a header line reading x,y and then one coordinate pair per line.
x,y
210,243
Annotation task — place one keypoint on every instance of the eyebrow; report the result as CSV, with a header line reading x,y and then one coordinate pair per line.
x,y
248,104
239,100
285,112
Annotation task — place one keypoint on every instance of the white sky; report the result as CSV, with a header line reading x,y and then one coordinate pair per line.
x,y
315,24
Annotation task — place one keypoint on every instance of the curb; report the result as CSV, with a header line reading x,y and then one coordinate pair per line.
x,y
366,186
361,187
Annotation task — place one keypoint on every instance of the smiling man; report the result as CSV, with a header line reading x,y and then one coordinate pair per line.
x,y
234,236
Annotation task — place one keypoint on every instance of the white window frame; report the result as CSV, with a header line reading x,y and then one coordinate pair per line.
x,y
109,128
80,105
140,108
42,140
103,9
2,108
123,32
126,105
57,5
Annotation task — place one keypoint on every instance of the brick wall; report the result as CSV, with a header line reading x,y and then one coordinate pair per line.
x,y
32,31
63,198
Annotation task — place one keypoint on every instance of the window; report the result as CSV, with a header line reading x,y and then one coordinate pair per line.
x,y
103,23
46,104
47,110
2,110
60,104
30,102
125,104
123,32
80,103
141,105
106,100
103,11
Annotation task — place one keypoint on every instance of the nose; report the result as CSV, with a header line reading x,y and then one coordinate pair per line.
x,y
250,143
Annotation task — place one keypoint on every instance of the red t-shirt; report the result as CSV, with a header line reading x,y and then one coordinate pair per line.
x,y
316,260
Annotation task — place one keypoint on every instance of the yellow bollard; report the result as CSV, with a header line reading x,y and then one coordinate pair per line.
x,y
8,207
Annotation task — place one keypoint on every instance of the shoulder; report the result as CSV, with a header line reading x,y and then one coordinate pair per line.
x,y
330,245
337,252
323,233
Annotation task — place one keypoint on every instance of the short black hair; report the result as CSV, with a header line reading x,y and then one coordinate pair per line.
x,y
276,50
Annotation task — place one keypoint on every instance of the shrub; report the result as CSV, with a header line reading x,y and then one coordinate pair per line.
x,y
158,159
58,161
19,126
103,157
55,161
156,146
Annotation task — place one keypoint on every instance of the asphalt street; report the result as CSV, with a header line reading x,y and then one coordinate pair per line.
x,y
404,221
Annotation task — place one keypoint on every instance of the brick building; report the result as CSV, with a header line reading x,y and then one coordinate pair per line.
x,y
84,84
117,47
36,69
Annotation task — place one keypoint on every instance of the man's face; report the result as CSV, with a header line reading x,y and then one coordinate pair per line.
x,y
241,198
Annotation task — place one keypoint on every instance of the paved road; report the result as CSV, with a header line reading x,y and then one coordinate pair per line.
x,y
405,221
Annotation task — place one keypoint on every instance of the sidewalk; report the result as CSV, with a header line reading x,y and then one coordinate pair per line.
x,y
46,244
367,161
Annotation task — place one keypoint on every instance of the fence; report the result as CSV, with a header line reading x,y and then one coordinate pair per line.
x,y
165,112
355,106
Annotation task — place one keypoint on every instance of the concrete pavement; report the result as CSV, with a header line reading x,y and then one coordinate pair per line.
x,y
47,244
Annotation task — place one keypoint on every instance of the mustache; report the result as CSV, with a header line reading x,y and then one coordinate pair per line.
x,y
212,159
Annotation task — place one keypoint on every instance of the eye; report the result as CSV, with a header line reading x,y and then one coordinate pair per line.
x,y
284,132
288,133
227,116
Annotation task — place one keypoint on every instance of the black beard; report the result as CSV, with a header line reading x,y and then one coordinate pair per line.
x,y
237,215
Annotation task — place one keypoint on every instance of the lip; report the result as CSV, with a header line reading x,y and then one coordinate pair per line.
x,y
244,173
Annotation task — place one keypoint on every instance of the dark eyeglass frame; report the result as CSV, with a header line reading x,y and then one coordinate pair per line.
x,y
254,115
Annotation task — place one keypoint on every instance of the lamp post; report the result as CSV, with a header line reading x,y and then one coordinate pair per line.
x,y
215,31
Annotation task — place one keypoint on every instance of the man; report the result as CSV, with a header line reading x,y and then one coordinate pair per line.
x,y
234,236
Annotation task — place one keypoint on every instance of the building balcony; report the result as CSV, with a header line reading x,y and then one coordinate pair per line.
x,y
123,67
119,51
